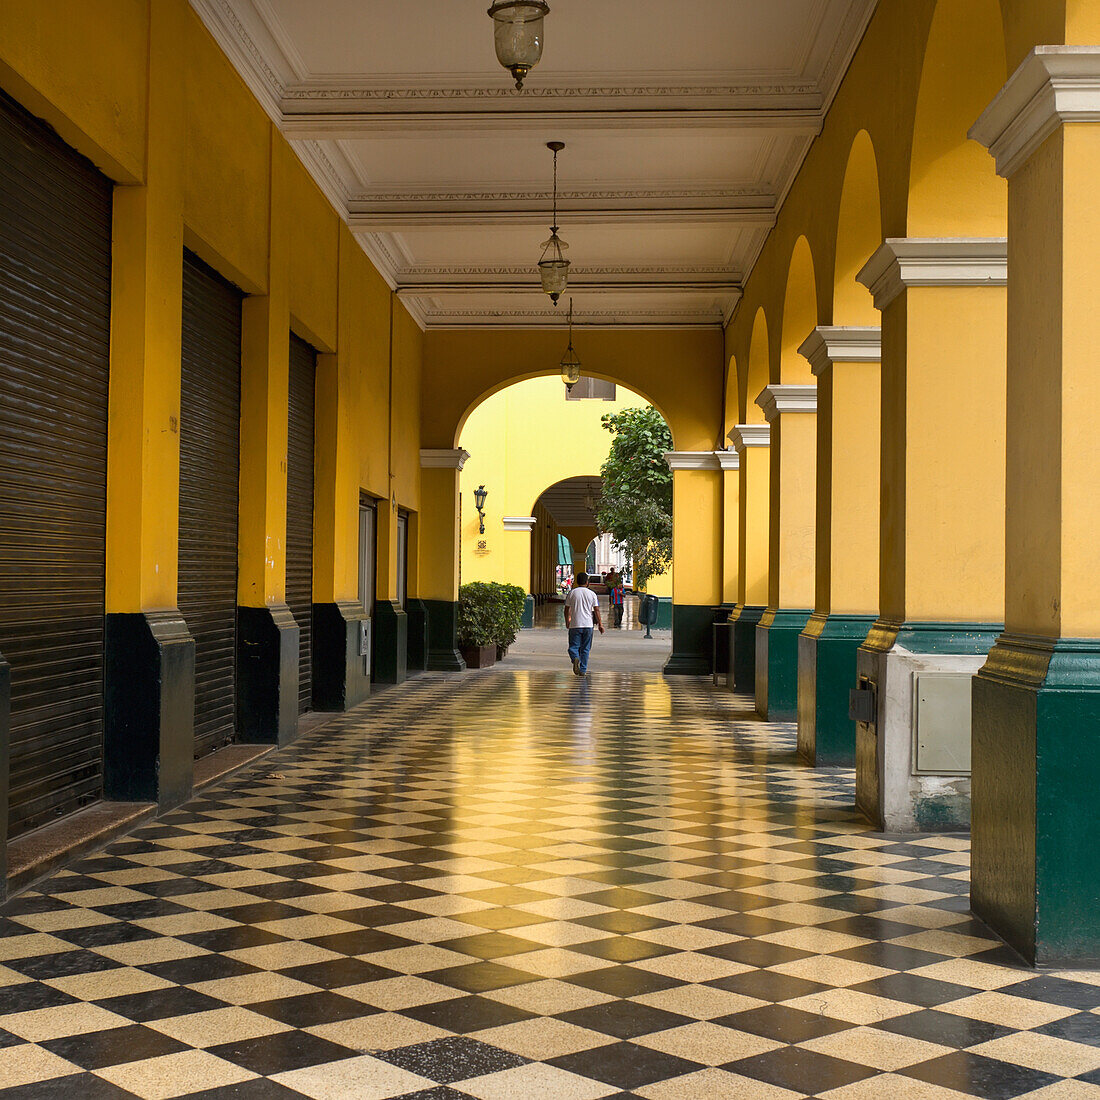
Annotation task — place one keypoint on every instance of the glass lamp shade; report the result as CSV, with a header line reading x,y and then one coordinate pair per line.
x,y
554,267
517,34
570,367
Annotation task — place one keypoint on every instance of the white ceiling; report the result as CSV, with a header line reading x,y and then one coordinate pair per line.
x,y
684,122
566,501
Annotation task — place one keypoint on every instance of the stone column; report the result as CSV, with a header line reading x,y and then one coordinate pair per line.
x,y
845,362
751,442
729,461
439,551
1035,875
791,412
696,559
941,563
525,525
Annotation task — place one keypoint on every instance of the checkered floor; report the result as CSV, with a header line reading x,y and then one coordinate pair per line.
x,y
524,886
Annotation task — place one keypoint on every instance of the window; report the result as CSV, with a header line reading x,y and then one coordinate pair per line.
x,y
366,553
591,389
402,556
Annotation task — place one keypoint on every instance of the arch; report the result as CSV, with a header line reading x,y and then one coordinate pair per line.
x,y
581,481
731,405
799,315
858,234
954,190
759,369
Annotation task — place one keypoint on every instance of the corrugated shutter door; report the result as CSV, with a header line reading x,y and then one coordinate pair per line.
x,y
210,425
299,510
55,281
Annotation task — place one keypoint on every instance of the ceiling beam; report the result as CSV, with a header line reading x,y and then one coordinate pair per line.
x,y
593,285
379,216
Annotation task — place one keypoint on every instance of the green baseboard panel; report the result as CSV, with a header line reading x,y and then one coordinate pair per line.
x,y
777,662
417,649
528,620
827,650
1035,874
692,640
665,614
391,642
443,655
742,675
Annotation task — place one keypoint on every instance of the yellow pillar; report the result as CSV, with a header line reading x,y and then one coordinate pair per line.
x,y
1036,867
439,553
941,582
752,442
149,659
790,411
697,559
729,462
845,361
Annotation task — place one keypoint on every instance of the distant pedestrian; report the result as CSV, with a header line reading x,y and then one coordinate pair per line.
x,y
616,597
582,612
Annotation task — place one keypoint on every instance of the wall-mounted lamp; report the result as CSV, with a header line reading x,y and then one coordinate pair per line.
x,y
480,493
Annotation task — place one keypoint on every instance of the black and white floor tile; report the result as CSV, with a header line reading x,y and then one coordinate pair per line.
x,y
521,885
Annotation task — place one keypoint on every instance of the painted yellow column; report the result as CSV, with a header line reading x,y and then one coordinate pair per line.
x,y
730,463
845,361
439,552
791,413
1036,807
697,558
146,318
942,502
265,354
519,534
752,443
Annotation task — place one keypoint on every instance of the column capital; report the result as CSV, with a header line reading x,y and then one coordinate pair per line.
x,y
691,460
728,459
902,262
778,399
519,523
1053,85
443,459
829,344
750,435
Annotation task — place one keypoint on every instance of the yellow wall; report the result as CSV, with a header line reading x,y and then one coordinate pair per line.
x,y
522,440
144,91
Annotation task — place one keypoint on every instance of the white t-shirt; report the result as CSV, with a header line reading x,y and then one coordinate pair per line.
x,y
581,603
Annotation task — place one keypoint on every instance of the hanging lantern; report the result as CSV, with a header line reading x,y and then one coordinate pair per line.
x,y
570,361
554,267
517,34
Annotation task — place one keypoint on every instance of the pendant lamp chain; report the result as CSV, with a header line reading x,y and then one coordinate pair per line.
x,y
554,267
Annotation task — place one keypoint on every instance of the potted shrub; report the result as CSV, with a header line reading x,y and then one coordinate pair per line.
x,y
476,636
509,600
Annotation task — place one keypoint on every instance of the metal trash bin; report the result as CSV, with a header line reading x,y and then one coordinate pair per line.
x,y
647,613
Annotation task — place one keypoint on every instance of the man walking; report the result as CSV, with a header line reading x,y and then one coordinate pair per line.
x,y
582,611
615,597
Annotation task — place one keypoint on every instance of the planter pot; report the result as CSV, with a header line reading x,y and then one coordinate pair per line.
x,y
479,656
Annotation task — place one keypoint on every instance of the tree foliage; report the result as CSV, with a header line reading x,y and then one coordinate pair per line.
x,y
636,505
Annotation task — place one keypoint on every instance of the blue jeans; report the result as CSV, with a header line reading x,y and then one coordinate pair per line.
x,y
580,642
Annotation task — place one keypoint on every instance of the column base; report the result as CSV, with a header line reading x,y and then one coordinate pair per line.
x,y
777,662
391,642
267,675
742,674
906,783
691,640
1035,867
720,648
826,672
528,620
148,708
443,655
341,671
417,650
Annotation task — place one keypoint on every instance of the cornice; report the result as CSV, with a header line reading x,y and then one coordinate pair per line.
x,y
750,435
1053,85
902,262
443,458
829,344
779,399
519,523
728,460
692,460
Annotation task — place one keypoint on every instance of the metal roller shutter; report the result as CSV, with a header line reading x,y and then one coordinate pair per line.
x,y
299,509
210,423
55,281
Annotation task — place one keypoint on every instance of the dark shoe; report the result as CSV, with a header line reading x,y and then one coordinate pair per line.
x,y
576,667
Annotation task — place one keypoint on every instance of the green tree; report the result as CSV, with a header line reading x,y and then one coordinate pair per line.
x,y
636,505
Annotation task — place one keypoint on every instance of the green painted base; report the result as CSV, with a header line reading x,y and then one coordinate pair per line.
x,y
777,662
528,620
827,651
391,643
267,675
665,615
1035,871
341,675
720,646
417,648
743,620
443,655
691,640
